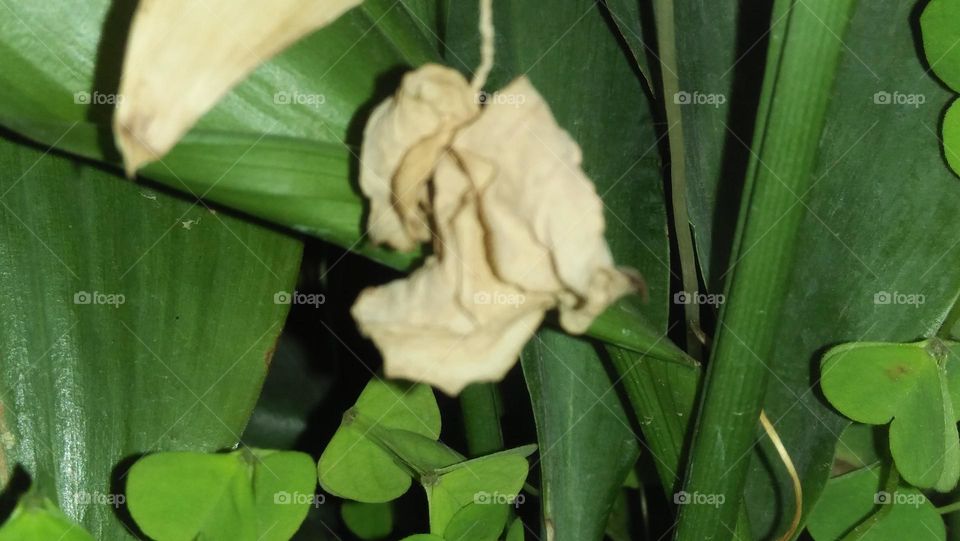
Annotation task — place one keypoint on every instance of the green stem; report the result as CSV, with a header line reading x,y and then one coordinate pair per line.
x,y
804,53
667,49
481,419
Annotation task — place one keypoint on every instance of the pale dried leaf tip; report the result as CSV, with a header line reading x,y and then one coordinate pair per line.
x,y
517,229
184,55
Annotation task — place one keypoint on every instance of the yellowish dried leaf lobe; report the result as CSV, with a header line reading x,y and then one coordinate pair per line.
x,y
184,55
518,230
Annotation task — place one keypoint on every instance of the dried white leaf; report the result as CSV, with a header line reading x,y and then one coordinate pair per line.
x,y
184,55
519,232
403,140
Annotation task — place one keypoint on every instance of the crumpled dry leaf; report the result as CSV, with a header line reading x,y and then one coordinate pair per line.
x,y
519,231
184,55
402,142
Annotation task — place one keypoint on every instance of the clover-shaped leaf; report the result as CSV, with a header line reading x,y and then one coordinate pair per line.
x,y
477,522
368,520
852,499
245,495
914,387
493,480
515,533
35,518
355,464
940,25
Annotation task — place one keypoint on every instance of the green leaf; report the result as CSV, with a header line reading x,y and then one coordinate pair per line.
x,y
255,495
368,520
490,480
353,465
40,520
845,270
786,155
477,522
516,531
853,498
423,537
938,25
577,412
177,365
951,136
907,384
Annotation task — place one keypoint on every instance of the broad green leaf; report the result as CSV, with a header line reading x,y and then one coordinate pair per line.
x,y
852,498
577,411
907,384
859,446
423,537
368,520
353,465
255,495
40,520
420,452
477,522
849,283
490,480
177,365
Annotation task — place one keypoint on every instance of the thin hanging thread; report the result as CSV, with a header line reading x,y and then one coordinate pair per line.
x,y
486,46
788,464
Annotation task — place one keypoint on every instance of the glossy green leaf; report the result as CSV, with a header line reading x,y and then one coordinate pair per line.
x,y
255,495
38,521
907,384
353,465
477,522
368,520
132,321
851,499
490,480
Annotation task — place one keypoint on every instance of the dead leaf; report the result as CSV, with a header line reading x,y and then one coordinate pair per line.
x,y
184,55
402,142
519,232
